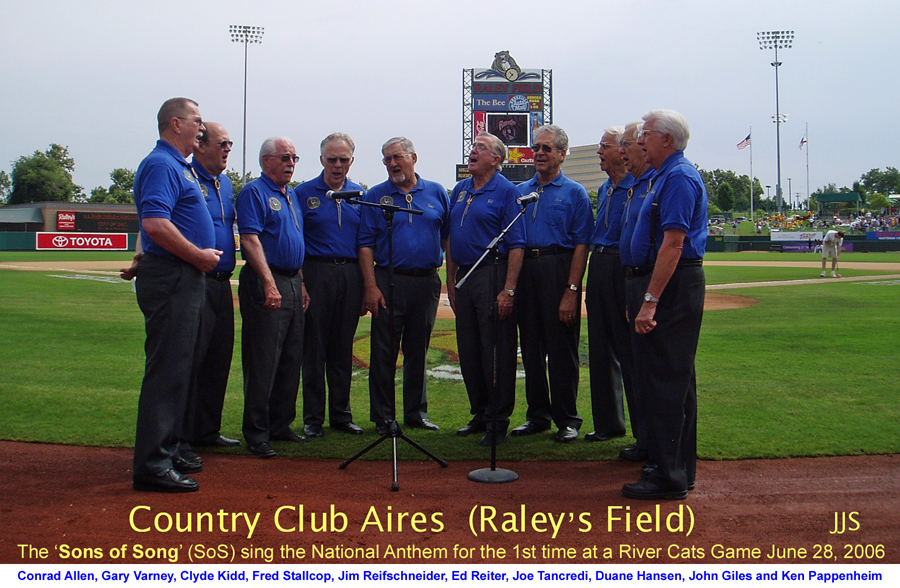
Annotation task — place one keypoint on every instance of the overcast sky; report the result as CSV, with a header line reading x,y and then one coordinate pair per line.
x,y
92,74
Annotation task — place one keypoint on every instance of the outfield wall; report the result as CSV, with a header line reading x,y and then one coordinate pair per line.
x,y
28,241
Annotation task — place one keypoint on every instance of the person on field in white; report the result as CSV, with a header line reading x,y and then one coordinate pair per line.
x,y
831,247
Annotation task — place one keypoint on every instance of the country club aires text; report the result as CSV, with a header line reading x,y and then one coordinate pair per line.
x,y
483,519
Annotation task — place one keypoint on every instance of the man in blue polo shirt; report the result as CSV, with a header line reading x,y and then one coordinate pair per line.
x,y
332,278
669,241
419,242
215,346
482,206
178,243
558,230
638,180
273,299
608,334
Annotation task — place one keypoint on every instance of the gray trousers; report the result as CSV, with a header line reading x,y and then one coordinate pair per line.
x,y
664,362
170,294
272,355
610,353
415,306
335,293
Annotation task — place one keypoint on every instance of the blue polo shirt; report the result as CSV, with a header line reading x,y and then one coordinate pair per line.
x,y
682,204
326,235
563,217
417,244
263,210
219,196
477,217
165,187
610,207
637,193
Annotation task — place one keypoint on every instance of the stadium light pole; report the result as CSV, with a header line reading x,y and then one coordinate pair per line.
x,y
245,34
776,40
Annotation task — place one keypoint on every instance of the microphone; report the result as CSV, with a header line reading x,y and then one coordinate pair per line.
x,y
337,195
527,199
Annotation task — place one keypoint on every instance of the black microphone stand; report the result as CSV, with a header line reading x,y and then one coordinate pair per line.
x,y
393,431
493,474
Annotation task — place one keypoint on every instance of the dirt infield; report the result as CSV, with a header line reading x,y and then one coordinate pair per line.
x,y
81,497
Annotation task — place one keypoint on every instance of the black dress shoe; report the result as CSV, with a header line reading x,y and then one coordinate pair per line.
x,y
165,481
486,440
187,454
222,441
423,424
649,468
472,428
633,453
567,434
289,436
646,490
350,428
263,450
313,431
529,428
595,436
185,466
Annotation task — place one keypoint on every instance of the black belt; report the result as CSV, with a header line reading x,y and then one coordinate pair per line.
x,y
284,272
488,261
606,249
332,260
414,272
220,276
642,270
540,251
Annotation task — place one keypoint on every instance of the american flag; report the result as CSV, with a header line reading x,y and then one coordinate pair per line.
x,y
744,143
803,141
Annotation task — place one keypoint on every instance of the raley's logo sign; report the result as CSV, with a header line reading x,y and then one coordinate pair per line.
x,y
82,241
65,221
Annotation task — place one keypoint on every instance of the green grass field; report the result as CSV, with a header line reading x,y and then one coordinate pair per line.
x,y
810,370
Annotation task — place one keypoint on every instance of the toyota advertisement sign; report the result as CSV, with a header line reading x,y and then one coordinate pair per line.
x,y
81,241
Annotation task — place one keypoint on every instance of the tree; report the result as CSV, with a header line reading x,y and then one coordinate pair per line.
x,y
725,196
120,192
881,182
879,201
4,186
236,181
45,176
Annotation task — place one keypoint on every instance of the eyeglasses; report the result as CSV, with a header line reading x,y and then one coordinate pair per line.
x,y
287,157
625,144
224,144
333,160
396,157
606,145
544,148
646,133
479,147
198,121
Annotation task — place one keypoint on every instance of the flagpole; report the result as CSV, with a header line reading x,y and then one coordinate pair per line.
x,y
807,166
751,176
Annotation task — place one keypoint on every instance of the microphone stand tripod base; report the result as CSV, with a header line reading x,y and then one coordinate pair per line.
x,y
493,476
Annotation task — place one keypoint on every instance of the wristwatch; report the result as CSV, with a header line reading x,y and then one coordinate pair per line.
x,y
648,297
510,292
572,287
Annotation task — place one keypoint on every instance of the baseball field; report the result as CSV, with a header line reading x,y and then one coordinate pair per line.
x,y
797,430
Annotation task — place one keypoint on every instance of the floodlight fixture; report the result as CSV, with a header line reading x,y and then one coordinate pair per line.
x,y
245,34
776,40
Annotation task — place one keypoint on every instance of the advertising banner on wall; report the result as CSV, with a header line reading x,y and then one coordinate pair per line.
x,y
81,241
96,222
